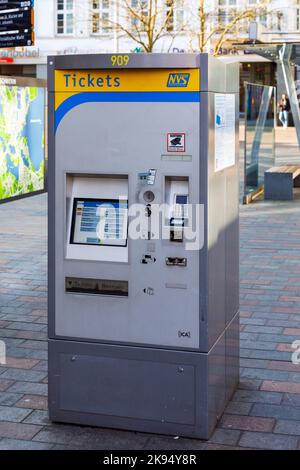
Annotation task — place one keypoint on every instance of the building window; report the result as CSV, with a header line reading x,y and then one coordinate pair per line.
x,y
139,16
65,17
226,11
263,17
222,16
101,16
228,3
298,16
175,15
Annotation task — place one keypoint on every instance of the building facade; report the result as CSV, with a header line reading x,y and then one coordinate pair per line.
x,y
89,26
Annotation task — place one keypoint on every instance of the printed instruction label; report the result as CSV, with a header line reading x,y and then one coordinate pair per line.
x,y
224,131
176,142
147,177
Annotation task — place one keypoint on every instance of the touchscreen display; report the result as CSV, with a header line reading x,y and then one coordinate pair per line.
x,y
99,222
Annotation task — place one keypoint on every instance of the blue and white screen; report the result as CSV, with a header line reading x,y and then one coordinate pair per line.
x,y
99,222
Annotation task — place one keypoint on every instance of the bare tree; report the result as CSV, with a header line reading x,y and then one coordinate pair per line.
x,y
146,22
143,21
209,24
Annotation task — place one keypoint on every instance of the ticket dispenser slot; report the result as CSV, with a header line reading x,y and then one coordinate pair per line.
x,y
177,200
75,285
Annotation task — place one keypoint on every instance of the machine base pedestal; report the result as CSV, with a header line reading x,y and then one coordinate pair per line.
x,y
143,389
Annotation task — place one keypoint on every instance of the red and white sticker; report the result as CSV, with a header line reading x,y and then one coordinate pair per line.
x,y
176,142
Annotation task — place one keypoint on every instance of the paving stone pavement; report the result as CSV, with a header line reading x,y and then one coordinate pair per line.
x,y
264,413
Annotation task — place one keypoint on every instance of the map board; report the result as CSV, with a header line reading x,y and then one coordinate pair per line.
x,y
22,140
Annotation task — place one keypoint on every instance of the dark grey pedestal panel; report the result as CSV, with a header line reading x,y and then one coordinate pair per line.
x,y
148,390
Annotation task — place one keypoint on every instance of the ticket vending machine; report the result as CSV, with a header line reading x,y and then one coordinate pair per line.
x,y
143,241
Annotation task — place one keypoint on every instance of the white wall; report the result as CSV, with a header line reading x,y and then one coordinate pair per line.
x,y
44,11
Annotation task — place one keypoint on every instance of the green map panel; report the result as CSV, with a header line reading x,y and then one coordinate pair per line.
x,y
22,140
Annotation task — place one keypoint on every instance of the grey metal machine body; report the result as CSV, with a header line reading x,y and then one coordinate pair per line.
x,y
143,335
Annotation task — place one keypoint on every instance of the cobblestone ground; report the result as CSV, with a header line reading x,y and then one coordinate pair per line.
x,y
265,410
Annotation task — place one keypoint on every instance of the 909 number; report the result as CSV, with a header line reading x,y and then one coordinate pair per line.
x,y
119,60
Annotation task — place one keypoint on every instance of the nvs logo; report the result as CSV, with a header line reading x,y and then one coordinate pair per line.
x,y
178,80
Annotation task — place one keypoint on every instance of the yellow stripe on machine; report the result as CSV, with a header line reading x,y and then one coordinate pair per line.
x,y
69,82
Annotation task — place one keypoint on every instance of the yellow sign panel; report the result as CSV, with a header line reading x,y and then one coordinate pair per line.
x,y
69,82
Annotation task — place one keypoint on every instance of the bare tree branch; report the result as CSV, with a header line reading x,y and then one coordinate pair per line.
x,y
229,27
209,28
145,23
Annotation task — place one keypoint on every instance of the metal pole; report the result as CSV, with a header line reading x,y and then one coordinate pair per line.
x,y
289,80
